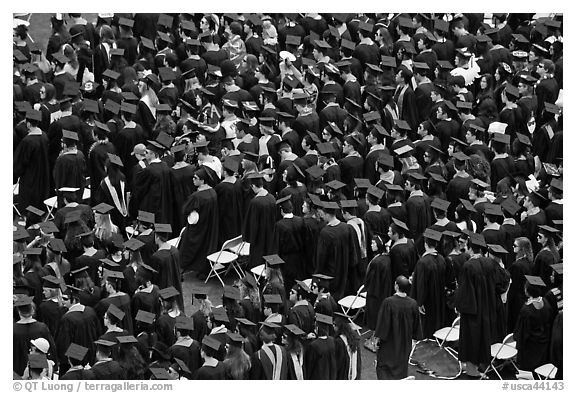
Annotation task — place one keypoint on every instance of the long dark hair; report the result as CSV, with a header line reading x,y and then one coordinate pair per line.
x,y
342,327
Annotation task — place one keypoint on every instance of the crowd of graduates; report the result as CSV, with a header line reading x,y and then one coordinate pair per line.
x,y
416,155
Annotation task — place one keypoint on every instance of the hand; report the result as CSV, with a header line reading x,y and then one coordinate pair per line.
x,y
422,310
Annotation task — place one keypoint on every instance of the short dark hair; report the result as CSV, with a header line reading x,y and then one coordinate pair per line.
x,y
403,284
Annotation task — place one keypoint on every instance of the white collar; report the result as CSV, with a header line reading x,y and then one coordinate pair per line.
x,y
416,193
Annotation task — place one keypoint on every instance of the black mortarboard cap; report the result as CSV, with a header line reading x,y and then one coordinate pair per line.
x,y
335,185
145,317
145,216
467,205
91,106
437,177
114,159
114,274
48,227
133,244
126,107
273,259
440,204
295,330
558,268
376,192
183,322
325,148
231,292
129,96
510,205
104,343
35,210
34,115
245,322
50,281
347,44
400,224
432,234
159,373
477,239
162,228
76,352
501,138
126,22
315,172
272,298
394,187
78,271
129,339
362,183
535,280
108,73
371,116
220,315
57,245
479,184
103,208
167,293
325,319
493,209
37,360
441,25
117,52
548,229
348,203
497,249
270,325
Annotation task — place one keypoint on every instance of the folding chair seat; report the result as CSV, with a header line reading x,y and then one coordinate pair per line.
x,y
223,259
547,371
353,304
242,249
259,271
86,194
50,205
15,192
131,232
448,334
503,352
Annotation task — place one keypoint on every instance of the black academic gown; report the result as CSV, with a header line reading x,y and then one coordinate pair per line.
x,y
473,302
146,300
230,210
428,282
516,296
200,239
22,333
302,315
30,164
187,350
343,359
379,284
108,369
122,301
154,192
167,263
398,324
289,245
337,255
183,188
259,228
419,215
79,327
532,335
70,171
50,313
320,359
97,156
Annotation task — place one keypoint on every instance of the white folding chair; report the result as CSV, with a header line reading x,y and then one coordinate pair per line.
x,y
242,249
546,371
503,352
86,194
224,259
15,192
448,334
131,232
176,241
259,272
50,205
353,303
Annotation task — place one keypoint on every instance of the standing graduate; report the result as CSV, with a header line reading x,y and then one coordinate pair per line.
x,y
532,332
154,188
80,325
105,367
166,261
70,169
183,183
167,321
320,354
116,297
397,329
25,329
338,252
302,313
147,295
113,191
347,341
403,254
428,282
259,221
200,237
289,243
30,164
229,192
473,302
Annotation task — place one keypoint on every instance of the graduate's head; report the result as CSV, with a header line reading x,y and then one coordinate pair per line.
x,y
402,284
267,334
200,177
26,311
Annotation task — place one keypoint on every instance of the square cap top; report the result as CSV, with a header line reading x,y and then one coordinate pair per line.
x,y
111,106
322,44
162,228
368,27
166,74
57,245
325,319
20,234
48,227
103,208
270,325
126,22
256,175
440,204
432,234
37,360
23,300
329,206
478,239
437,177
558,268
145,317
76,351
347,44
493,209
467,205
245,322
114,159
293,40
235,337
104,343
371,116
393,187
220,315
133,244
547,229
345,204
129,96
510,205
520,38
35,211
167,293
441,25
249,281
497,249
284,199
463,104
165,20
32,251
403,150
60,58
50,281
145,216
479,184
231,292
400,224
117,52
127,339
322,276
535,280
335,185
362,183
376,192
111,74
460,156
416,176
114,274
91,106
295,330
183,322
388,61
159,373
524,139
79,270
556,183
273,259
315,172
34,115
148,43
272,298
501,138
126,107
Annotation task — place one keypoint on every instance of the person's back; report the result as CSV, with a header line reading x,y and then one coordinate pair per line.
x,y
320,359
